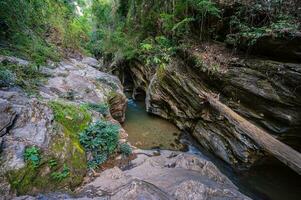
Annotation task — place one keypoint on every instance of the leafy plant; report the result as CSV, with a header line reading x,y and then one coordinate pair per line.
x,y
157,52
32,155
125,149
59,176
100,140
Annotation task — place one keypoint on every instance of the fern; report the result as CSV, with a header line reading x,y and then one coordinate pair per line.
x,y
32,155
101,140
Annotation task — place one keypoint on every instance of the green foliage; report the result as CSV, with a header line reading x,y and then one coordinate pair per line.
x,y
125,149
124,27
35,29
109,37
32,155
52,163
251,22
206,7
59,176
100,140
157,52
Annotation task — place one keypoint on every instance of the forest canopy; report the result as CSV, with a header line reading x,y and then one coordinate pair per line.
x,y
127,29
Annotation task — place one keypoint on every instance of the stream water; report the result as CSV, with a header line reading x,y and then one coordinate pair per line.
x,y
271,180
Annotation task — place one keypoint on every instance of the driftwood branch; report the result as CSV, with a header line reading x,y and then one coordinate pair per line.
x,y
281,151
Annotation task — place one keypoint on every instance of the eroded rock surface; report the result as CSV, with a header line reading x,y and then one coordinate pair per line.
x,y
78,82
265,92
171,175
27,121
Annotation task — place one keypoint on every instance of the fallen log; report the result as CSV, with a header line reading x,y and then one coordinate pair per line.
x,y
281,151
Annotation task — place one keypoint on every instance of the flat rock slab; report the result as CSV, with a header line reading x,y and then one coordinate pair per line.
x,y
172,175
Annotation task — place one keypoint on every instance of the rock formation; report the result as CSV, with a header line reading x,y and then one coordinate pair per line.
x,y
29,121
265,92
170,175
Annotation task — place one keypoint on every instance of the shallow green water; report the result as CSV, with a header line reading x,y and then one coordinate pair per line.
x,y
147,131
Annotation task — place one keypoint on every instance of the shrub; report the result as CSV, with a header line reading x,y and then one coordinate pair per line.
x,y
125,149
100,140
32,155
251,22
37,29
157,52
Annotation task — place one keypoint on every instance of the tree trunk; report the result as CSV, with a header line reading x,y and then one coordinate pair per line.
x,y
281,151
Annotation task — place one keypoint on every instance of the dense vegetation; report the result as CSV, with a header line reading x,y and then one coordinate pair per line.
x,y
151,31
41,30
140,29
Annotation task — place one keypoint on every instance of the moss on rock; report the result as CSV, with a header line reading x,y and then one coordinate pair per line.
x,y
64,152
73,117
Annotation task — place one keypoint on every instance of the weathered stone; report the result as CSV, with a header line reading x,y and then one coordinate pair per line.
x,y
284,48
13,60
171,175
92,62
7,116
265,92
81,83
32,126
28,121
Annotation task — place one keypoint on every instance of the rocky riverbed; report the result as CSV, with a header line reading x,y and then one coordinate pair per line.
x,y
30,121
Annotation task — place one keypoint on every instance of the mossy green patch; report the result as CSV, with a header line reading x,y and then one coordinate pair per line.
x,y
64,150
72,117
33,180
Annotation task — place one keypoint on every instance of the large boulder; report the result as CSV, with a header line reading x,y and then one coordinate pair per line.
x,y
81,83
31,122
